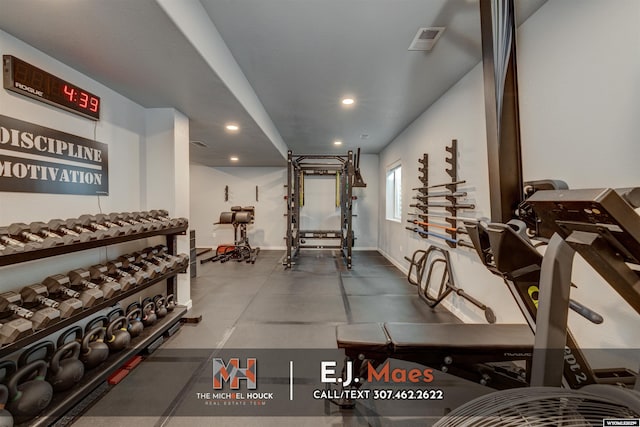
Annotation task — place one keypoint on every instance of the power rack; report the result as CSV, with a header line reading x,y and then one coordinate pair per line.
x,y
346,171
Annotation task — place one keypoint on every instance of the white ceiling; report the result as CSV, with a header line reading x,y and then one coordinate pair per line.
x,y
299,57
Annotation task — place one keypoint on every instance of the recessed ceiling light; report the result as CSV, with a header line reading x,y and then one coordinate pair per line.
x,y
232,127
337,142
348,101
234,158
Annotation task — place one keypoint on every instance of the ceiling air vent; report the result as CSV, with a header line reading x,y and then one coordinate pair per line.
x,y
199,144
426,38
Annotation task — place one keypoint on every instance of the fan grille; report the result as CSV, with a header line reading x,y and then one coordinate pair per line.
x,y
537,406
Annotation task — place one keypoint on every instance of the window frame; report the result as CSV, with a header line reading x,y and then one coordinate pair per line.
x,y
393,192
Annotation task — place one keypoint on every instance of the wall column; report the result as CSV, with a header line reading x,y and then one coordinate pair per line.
x,y
166,175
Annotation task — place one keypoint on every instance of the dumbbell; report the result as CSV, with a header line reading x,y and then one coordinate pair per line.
x,y
41,229
76,225
152,256
146,217
163,251
146,226
136,218
151,269
59,226
122,283
71,301
90,222
8,250
163,215
15,330
116,268
11,303
159,267
38,294
138,272
23,231
90,293
83,277
118,219
8,241
105,220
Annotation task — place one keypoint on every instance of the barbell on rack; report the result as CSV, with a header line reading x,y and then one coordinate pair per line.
x,y
441,236
443,205
440,185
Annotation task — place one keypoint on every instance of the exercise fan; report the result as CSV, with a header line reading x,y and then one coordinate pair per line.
x,y
546,406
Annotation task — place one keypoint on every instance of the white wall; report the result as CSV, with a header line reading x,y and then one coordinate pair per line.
x,y
459,114
207,201
166,168
122,127
269,229
579,74
579,81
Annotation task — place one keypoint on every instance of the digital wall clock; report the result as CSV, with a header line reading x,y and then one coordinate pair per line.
x,y
26,79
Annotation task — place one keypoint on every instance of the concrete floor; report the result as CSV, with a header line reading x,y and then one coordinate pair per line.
x,y
263,309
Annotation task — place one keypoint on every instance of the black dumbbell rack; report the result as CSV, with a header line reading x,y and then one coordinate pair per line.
x,y
63,402
19,257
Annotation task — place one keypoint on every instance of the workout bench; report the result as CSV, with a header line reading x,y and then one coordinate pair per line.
x,y
240,250
475,352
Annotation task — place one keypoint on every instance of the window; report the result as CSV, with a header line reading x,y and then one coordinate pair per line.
x,y
394,193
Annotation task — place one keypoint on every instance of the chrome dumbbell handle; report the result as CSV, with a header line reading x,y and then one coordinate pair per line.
x,y
47,302
11,241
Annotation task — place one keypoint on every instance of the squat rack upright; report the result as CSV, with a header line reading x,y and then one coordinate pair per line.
x,y
346,171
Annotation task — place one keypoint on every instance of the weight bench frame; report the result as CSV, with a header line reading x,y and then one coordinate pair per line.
x,y
468,357
240,250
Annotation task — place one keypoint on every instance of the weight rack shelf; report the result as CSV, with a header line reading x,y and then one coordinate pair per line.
x,y
43,333
81,246
63,402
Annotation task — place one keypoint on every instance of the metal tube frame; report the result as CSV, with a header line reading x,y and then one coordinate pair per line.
x,y
297,166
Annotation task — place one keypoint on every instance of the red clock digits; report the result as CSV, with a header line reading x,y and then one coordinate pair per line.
x,y
68,91
93,104
84,100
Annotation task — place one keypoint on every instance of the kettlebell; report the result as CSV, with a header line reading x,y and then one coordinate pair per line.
x,y
102,320
28,397
8,368
117,336
65,369
116,312
6,419
63,338
94,350
135,325
170,303
161,308
27,356
149,317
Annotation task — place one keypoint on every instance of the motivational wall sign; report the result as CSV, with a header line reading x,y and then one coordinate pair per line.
x,y
37,159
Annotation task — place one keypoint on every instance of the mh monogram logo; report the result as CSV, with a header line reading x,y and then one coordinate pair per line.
x,y
232,373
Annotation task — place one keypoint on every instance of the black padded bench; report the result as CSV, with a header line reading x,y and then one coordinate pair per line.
x,y
463,349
